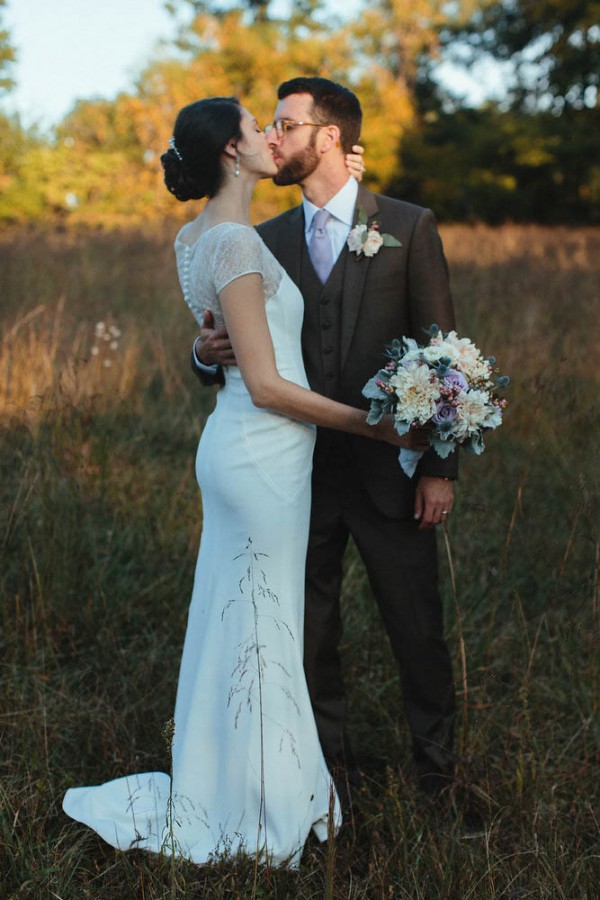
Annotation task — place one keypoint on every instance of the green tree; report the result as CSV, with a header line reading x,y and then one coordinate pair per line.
x,y
553,44
21,181
498,166
393,43
7,56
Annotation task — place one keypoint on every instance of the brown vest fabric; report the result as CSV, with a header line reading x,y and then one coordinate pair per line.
x,y
321,327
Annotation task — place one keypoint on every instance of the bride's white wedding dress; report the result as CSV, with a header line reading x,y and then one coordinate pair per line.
x,y
248,773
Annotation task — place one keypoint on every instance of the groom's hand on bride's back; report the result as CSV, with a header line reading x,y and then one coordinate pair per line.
x,y
213,347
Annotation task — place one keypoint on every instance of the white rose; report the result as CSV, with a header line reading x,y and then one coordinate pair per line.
x,y
372,244
356,238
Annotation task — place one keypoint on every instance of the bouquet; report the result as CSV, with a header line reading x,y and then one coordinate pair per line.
x,y
446,385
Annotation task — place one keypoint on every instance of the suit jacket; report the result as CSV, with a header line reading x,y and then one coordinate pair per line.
x,y
397,292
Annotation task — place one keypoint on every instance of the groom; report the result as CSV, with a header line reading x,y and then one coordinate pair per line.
x,y
354,306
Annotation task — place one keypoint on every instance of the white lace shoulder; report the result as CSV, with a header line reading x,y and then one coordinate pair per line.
x,y
215,259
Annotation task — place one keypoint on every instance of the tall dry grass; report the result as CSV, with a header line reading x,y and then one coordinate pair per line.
x,y
98,536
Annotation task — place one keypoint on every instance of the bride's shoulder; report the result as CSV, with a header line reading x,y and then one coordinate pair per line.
x,y
228,231
194,233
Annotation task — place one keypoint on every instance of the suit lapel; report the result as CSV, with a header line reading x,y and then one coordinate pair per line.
x,y
354,277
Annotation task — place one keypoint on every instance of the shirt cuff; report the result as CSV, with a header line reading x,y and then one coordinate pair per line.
x,y
210,370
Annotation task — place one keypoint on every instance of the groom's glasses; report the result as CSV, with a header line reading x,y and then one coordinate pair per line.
x,y
282,126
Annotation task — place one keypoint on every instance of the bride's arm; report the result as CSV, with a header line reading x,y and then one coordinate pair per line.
x,y
243,305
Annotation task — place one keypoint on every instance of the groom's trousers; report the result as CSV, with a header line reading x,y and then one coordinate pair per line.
x,y
401,564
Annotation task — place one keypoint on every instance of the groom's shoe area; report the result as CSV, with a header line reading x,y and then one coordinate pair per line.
x,y
435,783
458,798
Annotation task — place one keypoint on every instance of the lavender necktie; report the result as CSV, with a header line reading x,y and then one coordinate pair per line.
x,y
319,248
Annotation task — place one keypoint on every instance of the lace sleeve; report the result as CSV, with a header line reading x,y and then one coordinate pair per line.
x,y
238,251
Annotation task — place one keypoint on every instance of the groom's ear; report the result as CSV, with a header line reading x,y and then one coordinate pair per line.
x,y
330,138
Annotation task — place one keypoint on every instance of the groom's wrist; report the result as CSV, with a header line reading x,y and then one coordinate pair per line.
x,y
211,370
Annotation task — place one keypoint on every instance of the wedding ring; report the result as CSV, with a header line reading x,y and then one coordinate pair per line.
x,y
444,512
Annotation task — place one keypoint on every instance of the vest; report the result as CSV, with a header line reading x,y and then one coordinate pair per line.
x,y
322,323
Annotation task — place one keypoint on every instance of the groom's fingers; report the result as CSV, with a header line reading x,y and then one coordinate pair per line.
x,y
419,504
428,517
221,351
215,347
433,501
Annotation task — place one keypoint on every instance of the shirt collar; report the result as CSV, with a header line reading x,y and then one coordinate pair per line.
x,y
341,205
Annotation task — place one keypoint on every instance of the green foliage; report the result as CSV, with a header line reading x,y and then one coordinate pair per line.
x,y
7,56
555,46
504,166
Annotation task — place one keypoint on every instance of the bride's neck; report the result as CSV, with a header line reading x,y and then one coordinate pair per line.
x,y
232,203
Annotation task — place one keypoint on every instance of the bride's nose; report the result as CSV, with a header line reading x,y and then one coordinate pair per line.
x,y
271,135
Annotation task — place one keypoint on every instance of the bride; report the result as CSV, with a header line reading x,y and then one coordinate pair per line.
x,y
248,774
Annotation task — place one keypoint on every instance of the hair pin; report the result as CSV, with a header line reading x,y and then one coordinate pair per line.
x,y
173,147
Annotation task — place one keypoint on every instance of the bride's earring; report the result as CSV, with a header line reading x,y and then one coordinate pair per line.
x,y
236,171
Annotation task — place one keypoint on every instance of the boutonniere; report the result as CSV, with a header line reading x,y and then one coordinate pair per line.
x,y
367,240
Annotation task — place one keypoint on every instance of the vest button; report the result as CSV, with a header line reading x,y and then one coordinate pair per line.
x,y
326,323
329,375
327,350
324,301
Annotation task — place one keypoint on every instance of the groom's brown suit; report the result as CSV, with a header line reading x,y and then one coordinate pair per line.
x,y
358,485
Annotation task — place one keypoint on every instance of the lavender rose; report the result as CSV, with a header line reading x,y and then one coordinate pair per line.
x,y
445,414
456,379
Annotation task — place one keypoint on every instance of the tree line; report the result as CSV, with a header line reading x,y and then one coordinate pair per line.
x,y
531,156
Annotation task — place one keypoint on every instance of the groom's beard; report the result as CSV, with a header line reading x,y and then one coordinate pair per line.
x,y
300,166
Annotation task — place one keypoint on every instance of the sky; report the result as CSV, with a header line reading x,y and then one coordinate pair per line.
x,y
70,49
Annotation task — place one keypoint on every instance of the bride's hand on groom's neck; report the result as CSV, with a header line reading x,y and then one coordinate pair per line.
x,y
355,163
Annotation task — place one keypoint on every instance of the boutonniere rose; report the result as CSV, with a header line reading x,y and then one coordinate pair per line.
x,y
367,240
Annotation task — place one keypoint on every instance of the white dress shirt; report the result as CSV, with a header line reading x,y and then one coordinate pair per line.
x,y
341,208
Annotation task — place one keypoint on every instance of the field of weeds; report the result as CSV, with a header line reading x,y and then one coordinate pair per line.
x,y
99,526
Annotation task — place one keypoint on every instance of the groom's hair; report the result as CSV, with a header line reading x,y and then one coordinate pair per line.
x,y
333,104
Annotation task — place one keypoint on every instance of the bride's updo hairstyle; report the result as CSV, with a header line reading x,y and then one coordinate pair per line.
x,y
192,165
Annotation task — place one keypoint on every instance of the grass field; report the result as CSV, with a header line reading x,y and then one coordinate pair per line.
x,y
99,527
